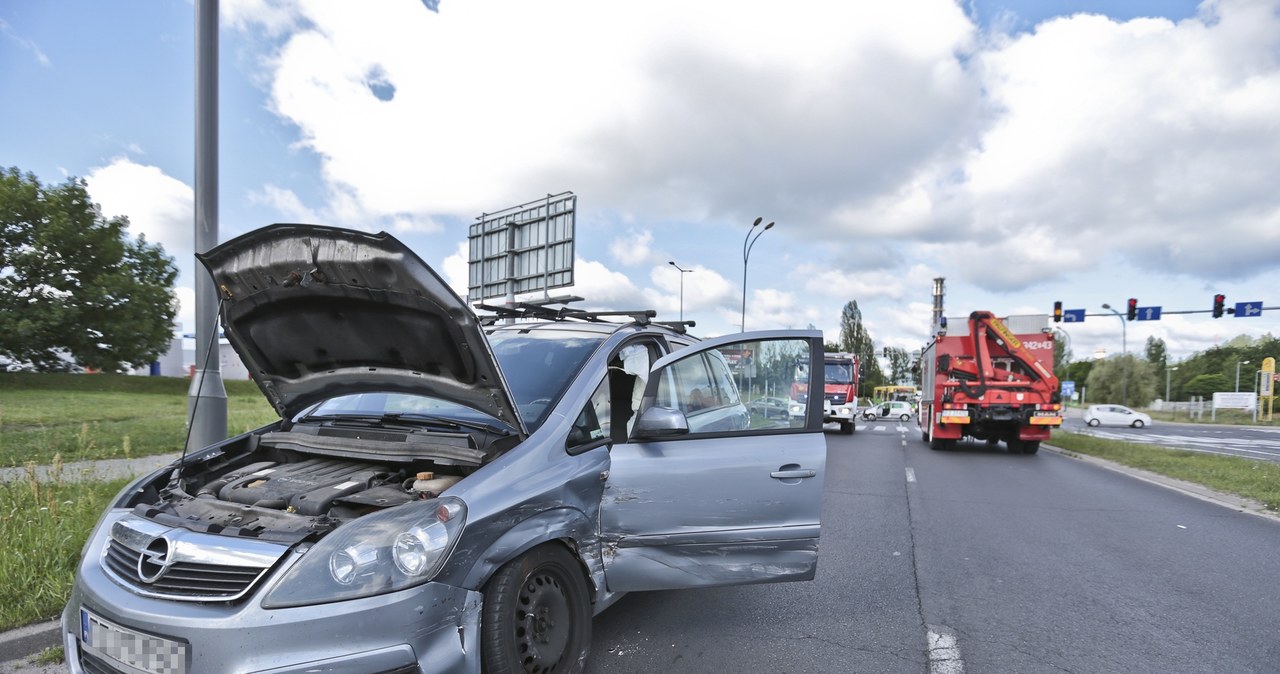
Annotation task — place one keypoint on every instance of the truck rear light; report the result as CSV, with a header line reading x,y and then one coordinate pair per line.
x,y
954,406
1048,406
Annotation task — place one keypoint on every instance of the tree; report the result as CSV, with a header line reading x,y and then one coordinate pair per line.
x,y
1106,381
1205,385
899,364
854,339
73,286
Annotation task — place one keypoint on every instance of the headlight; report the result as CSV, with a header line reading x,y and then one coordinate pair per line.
x,y
384,552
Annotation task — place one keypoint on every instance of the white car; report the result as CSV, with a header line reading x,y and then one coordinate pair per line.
x,y
893,409
1115,415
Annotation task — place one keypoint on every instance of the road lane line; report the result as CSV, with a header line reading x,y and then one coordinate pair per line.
x,y
944,652
911,474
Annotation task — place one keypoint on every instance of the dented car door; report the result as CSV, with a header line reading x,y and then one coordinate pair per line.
x,y
703,493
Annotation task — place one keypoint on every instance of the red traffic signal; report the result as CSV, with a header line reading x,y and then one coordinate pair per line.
x,y
1057,312
1218,301
1133,309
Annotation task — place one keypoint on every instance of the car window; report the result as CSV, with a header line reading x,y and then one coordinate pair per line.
x,y
726,390
538,366
610,412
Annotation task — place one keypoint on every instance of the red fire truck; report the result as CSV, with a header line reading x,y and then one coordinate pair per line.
x,y
840,392
992,381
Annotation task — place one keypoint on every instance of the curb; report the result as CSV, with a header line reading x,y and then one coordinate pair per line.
x,y
19,644
1232,501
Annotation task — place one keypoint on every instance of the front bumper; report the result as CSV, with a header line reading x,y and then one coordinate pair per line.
x,y
430,628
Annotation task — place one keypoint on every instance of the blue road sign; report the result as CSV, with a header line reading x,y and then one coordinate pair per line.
x,y
1073,316
1148,313
1248,309
1068,389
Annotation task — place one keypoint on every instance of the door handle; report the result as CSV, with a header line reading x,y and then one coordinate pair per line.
x,y
793,474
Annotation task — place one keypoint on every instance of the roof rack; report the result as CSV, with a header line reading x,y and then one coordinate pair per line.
x,y
543,312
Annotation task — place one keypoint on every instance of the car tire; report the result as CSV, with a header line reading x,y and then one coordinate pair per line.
x,y
846,427
1138,423
1030,446
537,614
905,417
1094,422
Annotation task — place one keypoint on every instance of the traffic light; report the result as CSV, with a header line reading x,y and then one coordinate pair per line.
x,y
1133,309
1057,312
1218,301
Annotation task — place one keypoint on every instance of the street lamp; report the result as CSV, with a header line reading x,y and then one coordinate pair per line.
x,y
747,244
1238,364
682,273
1124,350
1167,372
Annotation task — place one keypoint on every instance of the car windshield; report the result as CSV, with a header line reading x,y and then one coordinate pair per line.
x,y
837,373
539,365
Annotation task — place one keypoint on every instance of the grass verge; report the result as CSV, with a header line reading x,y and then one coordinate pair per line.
x,y
90,417
1257,480
44,526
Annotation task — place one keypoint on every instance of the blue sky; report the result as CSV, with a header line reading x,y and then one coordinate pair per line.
x,y
1027,151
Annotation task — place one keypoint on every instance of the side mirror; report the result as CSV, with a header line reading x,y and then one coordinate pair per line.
x,y
660,422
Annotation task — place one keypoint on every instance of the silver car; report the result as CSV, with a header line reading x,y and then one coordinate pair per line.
x,y
443,492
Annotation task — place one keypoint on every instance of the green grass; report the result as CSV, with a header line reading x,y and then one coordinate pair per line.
x,y
1232,417
84,417
44,526
1257,480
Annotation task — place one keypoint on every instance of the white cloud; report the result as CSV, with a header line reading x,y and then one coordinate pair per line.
x,y
890,149
158,206
633,248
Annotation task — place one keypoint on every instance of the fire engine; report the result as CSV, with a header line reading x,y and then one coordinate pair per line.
x,y
990,380
840,392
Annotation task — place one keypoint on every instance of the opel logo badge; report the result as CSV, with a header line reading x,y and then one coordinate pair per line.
x,y
154,560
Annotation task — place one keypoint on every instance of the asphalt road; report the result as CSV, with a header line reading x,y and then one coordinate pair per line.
x,y
1262,443
1003,563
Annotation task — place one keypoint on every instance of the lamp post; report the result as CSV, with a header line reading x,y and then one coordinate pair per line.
x,y
747,244
1124,350
1167,372
1238,364
682,273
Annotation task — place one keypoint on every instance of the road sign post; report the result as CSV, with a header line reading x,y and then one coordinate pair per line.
x,y
1073,316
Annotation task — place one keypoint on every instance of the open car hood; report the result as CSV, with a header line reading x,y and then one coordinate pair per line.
x,y
316,312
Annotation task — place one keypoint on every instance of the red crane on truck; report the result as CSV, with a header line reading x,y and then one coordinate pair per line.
x,y
989,382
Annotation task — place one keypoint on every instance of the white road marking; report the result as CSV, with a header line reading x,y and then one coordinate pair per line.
x,y
944,652
911,474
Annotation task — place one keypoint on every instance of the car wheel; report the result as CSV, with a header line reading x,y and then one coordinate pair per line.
x,y
846,427
1094,422
1030,446
905,417
1137,423
537,615
993,441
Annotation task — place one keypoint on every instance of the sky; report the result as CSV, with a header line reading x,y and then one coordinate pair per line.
x,y
1027,151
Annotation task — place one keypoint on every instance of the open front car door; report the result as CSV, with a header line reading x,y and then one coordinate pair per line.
x,y
706,491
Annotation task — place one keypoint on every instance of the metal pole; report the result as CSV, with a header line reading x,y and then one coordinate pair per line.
x,y
1124,358
746,254
207,397
1168,371
682,273
1238,364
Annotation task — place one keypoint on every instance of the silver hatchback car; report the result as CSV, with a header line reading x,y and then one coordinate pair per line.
x,y
443,492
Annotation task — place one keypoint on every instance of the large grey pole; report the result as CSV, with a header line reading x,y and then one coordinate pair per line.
x,y
207,398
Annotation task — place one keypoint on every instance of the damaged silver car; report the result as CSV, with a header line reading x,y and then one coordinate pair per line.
x,y
445,492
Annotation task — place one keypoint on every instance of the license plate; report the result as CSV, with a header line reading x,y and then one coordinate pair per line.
x,y
142,652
